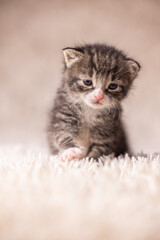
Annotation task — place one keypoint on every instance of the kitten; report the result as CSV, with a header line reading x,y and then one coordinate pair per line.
x,y
86,116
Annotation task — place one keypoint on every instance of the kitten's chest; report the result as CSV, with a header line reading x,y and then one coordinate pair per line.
x,y
83,137
89,122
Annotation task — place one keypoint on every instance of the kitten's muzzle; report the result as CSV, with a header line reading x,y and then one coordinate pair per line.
x,y
98,95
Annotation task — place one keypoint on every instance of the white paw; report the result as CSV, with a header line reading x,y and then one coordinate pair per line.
x,y
70,154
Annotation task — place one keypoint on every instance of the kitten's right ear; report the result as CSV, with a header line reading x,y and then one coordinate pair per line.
x,y
72,55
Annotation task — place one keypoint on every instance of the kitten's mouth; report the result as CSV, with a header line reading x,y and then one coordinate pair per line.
x,y
93,103
96,102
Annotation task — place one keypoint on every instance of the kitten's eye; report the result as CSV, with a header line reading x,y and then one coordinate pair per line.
x,y
112,86
87,82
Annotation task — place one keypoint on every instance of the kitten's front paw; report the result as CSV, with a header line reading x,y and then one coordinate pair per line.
x,y
70,154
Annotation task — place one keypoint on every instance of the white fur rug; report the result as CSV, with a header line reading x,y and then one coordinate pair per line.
x,y
43,198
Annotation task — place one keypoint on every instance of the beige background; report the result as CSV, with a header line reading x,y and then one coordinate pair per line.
x,y
32,34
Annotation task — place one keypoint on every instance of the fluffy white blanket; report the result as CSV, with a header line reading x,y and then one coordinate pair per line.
x,y
43,198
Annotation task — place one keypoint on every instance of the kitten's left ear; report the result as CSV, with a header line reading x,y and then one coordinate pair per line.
x,y
134,67
72,55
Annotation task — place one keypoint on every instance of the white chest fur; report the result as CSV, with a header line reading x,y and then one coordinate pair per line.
x,y
88,121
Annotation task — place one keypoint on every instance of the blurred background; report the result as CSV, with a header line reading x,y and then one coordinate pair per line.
x,y
32,34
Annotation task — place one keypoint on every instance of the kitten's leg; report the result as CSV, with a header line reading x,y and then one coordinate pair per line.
x,y
104,147
65,145
62,133
98,149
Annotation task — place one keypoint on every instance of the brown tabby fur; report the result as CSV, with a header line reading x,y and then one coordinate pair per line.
x,y
99,131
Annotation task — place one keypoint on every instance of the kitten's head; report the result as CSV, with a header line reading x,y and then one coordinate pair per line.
x,y
98,75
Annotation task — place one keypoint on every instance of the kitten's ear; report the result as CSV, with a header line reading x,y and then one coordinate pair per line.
x,y
134,67
72,55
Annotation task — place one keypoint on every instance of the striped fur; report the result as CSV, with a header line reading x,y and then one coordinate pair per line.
x,y
75,121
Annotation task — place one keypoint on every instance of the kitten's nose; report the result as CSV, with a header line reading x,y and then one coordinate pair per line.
x,y
98,94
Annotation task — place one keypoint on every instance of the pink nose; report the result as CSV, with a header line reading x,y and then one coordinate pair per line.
x,y
99,95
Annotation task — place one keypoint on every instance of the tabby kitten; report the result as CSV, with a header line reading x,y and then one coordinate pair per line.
x,y
86,116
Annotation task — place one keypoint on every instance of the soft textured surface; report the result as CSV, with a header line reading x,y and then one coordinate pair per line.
x,y
43,198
